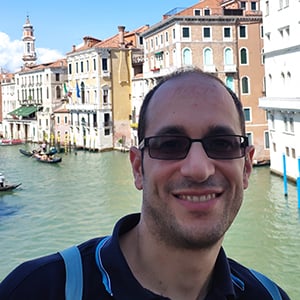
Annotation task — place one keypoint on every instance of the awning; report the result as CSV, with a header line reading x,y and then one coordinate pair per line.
x,y
23,111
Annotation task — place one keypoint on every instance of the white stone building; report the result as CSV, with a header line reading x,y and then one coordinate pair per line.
x,y
282,77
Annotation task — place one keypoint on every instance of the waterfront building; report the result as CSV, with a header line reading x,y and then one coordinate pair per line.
x,y
7,97
282,76
99,84
31,96
223,38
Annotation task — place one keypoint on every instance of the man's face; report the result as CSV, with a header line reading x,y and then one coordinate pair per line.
x,y
191,202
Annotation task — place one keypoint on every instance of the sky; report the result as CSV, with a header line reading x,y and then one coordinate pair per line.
x,y
59,24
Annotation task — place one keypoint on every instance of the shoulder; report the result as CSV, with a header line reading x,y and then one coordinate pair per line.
x,y
36,278
254,285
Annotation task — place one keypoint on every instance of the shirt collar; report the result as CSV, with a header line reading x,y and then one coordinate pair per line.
x,y
123,284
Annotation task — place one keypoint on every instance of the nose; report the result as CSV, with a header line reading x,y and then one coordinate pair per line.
x,y
197,165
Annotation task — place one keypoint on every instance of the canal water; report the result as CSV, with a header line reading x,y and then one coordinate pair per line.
x,y
59,205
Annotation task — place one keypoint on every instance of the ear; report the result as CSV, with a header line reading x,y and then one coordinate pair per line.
x,y
136,163
248,166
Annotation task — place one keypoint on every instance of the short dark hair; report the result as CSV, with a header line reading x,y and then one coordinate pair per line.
x,y
178,73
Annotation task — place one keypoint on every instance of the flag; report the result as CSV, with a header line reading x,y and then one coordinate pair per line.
x,y
77,90
65,89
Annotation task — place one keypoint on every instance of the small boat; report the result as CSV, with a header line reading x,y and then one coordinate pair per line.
x,y
9,187
27,153
10,142
44,158
52,151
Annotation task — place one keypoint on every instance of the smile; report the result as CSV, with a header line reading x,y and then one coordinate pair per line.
x,y
195,198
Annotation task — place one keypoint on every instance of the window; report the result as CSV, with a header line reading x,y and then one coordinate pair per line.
x,y
243,31
228,56
243,56
58,92
253,5
285,124
167,36
206,33
245,85
197,12
267,140
104,64
106,124
94,64
87,66
247,114
56,76
292,124
105,97
227,33
174,35
185,32
206,12
208,57
243,4
70,69
81,67
58,120
187,57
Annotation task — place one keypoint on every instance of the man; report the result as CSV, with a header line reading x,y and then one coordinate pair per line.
x,y
193,164
2,180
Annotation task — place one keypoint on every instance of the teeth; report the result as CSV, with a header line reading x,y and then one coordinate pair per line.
x,y
194,198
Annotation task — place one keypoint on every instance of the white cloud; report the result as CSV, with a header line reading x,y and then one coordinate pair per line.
x,y
11,53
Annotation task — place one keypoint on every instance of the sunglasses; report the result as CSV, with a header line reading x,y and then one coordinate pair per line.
x,y
170,147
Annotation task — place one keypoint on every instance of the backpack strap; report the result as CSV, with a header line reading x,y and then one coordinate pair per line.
x,y
73,266
268,284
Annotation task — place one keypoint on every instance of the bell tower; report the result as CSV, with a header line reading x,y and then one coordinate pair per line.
x,y
29,56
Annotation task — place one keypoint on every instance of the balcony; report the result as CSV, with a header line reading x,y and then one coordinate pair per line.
x,y
230,68
209,68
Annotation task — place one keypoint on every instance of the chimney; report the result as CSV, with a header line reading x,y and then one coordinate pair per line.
x,y
121,36
73,48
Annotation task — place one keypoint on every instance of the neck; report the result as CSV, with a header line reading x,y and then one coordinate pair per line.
x,y
171,272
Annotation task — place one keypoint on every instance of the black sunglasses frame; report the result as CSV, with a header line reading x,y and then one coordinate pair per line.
x,y
244,143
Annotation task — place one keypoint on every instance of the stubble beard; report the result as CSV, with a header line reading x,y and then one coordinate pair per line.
x,y
164,226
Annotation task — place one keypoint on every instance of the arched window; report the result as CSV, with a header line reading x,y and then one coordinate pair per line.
x,y
186,56
82,92
208,56
58,92
245,85
228,56
244,56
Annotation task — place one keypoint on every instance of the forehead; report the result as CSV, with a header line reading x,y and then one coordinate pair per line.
x,y
193,102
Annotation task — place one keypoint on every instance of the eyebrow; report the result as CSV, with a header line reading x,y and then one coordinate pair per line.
x,y
211,131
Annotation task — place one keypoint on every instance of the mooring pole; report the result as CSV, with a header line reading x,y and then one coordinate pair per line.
x,y
284,177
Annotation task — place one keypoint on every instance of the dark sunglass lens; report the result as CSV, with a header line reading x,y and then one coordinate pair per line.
x,y
165,147
223,147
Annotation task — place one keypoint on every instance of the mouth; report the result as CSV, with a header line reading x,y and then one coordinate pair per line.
x,y
197,198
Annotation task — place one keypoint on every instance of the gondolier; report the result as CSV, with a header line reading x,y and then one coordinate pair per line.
x,y
2,180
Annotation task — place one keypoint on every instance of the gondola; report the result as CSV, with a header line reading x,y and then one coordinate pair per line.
x,y
9,187
27,153
47,158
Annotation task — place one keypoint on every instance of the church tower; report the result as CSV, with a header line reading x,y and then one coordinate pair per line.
x,y
29,56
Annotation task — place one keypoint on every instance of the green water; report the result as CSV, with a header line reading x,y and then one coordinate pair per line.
x,y
82,197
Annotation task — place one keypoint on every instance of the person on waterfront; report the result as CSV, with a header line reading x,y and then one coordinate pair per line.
x,y
192,164
2,180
